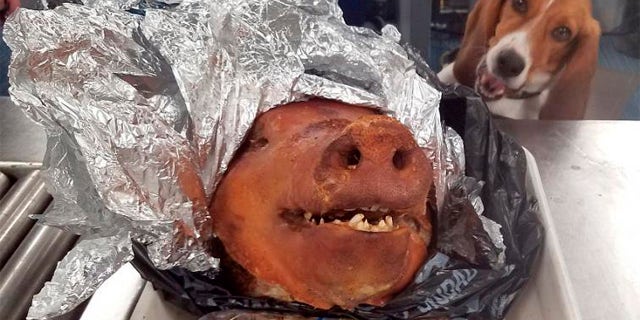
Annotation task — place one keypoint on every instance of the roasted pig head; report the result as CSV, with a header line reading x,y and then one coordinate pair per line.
x,y
326,203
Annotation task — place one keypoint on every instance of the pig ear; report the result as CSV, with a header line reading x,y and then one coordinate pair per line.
x,y
568,97
192,187
480,27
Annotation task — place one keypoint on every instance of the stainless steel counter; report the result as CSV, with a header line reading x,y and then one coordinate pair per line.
x,y
591,174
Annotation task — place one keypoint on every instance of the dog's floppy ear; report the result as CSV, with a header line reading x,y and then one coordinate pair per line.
x,y
569,94
480,27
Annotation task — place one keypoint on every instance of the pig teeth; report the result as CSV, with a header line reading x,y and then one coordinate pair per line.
x,y
357,218
358,222
389,221
384,210
375,207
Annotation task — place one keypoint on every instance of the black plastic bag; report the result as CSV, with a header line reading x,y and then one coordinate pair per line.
x,y
460,284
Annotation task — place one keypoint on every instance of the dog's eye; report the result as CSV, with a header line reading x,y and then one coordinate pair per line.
x,y
520,6
562,33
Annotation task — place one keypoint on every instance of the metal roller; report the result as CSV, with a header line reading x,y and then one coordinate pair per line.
x,y
4,184
31,265
28,196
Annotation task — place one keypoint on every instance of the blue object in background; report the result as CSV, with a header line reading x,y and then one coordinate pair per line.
x,y
353,11
370,14
5,57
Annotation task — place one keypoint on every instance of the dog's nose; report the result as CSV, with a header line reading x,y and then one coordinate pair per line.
x,y
510,64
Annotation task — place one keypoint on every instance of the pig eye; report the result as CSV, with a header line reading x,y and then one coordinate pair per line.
x,y
259,143
520,6
561,33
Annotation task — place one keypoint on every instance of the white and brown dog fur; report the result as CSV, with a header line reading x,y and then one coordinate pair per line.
x,y
529,59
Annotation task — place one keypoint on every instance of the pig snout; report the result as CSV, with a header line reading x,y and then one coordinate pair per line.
x,y
375,161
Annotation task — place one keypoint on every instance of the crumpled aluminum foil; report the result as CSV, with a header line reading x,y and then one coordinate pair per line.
x,y
93,255
454,161
132,103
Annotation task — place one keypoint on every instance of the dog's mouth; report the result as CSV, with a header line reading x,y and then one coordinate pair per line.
x,y
489,86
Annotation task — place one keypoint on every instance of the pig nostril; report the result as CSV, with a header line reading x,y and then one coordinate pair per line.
x,y
353,157
399,159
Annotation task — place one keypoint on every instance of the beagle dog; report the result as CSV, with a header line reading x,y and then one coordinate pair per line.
x,y
529,59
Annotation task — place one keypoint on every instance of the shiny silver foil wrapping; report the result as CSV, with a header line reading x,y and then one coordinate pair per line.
x,y
454,158
132,102
84,268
